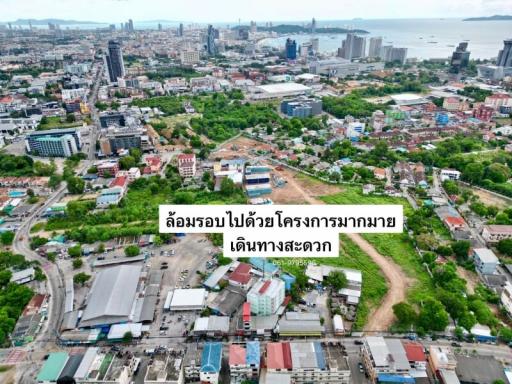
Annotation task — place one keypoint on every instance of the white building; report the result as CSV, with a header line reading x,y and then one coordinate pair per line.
x,y
449,174
266,296
188,299
485,261
189,57
355,129
273,91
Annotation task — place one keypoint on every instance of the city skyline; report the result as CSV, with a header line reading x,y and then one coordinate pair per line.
x,y
229,11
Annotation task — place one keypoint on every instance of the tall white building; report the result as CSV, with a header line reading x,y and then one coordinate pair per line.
x,y
266,296
375,47
353,47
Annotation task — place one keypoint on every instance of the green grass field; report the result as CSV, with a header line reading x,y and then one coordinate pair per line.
x,y
352,195
54,122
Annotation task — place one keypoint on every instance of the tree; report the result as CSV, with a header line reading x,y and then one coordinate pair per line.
x,y
451,187
101,248
127,337
473,173
131,251
77,263
405,314
461,249
76,185
499,173
70,118
54,181
426,241
433,316
75,251
505,246
227,187
337,280
127,162
5,277
7,237
505,334
44,169
81,278
136,153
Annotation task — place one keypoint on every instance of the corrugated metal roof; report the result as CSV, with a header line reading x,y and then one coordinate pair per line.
x,y
112,296
211,358
53,366
253,353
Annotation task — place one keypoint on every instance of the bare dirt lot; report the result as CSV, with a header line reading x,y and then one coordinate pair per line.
x,y
300,189
491,199
239,147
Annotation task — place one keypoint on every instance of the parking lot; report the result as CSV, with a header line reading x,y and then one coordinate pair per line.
x,y
179,264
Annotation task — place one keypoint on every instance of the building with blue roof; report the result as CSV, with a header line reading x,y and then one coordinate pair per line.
x,y
262,265
289,280
211,362
387,378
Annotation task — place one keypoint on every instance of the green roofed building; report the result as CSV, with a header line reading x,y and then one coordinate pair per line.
x,y
52,368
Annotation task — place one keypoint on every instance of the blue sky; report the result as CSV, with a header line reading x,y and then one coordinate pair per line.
x,y
259,10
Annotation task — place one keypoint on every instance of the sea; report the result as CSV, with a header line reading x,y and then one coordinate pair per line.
x,y
424,38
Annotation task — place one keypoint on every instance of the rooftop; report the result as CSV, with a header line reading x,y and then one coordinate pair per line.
x,y
188,297
53,367
211,358
112,295
486,255
479,369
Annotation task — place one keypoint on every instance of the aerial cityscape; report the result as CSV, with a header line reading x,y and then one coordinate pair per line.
x,y
102,122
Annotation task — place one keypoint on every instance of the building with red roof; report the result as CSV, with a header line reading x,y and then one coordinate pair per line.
x,y
454,222
241,276
154,164
279,356
416,355
121,181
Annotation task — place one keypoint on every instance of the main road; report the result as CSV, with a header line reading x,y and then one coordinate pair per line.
x,y
21,243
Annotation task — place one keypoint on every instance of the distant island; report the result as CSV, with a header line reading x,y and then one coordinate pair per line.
x,y
287,28
53,21
489,18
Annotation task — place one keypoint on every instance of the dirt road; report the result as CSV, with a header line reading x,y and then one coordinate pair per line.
x,y
382,317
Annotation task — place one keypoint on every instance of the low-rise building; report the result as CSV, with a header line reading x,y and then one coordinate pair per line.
x,y
485,261
165,368
188,299
385,357
308,362
443,363
300,324
495,233
449,174
187,164
52,368
244,361
211,363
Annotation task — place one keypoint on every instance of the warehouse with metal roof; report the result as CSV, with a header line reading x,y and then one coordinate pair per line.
x,y
112,295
